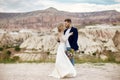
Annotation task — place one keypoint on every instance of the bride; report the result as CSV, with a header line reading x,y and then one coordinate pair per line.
x,y
63,66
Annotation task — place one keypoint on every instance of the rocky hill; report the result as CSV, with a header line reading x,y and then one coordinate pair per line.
x,y
45,20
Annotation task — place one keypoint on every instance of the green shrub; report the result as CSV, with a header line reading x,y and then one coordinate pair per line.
x,y
1,49
94,54
8,52
48,53
17,48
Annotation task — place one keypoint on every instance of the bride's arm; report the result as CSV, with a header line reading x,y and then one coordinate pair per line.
x,y
57,38
67,36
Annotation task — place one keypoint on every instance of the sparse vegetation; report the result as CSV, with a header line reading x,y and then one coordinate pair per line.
x,y
16,58
111,57
5,54
17,48
87,58
1,48
48,53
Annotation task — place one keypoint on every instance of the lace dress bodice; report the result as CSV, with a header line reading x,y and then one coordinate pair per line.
x,y
64,38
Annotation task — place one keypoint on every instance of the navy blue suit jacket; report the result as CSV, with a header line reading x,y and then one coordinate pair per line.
x,y
73,38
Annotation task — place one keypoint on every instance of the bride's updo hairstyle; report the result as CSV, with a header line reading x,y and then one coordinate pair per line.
x,y
60,27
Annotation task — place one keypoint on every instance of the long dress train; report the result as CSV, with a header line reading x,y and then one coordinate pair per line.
x,y
63,66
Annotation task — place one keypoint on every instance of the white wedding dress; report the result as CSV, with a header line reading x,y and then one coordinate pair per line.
x,y
63,66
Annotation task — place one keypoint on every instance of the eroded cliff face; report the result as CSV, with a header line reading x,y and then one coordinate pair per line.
x,y
93,40
90,40
116,39
46,43
14,38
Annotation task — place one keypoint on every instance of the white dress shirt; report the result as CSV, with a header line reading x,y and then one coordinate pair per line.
x,y
67,33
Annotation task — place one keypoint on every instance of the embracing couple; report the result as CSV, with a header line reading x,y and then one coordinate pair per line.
x,y
67,37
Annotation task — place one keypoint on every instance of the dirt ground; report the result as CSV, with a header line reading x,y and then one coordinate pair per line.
x,y
40,71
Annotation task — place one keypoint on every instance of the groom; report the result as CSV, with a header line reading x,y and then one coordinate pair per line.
x,y
71,43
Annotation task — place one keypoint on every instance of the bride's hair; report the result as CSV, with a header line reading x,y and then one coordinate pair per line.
x,y
60,27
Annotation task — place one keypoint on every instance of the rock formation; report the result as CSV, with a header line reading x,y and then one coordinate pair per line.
x,y
116,39
89,41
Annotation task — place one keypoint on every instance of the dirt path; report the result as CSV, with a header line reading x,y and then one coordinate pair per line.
x,y
40,71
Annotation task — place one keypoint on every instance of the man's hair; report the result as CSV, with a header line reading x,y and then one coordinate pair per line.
x,y
68,20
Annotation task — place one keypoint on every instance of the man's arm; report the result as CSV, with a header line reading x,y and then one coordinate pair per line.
x,y
75,34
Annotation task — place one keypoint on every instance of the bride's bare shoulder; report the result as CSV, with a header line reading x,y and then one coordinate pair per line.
x,y
59,34
58,37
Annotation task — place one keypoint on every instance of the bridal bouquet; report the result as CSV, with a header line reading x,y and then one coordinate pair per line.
x,y
70,53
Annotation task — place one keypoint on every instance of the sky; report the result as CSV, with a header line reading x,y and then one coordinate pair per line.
x,y
63,5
